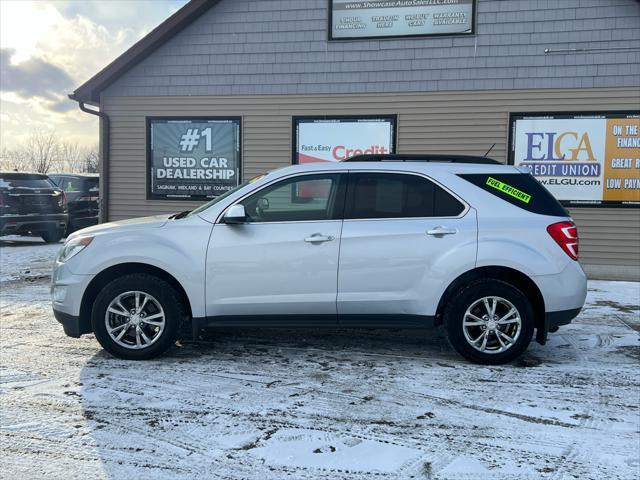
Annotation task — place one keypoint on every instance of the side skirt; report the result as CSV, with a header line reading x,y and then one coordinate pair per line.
x,y
314,321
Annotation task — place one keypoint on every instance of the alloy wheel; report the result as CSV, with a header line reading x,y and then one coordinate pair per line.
x,y
135,320
492,325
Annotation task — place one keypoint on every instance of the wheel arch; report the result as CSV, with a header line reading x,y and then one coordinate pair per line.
x,y
114,271
514,277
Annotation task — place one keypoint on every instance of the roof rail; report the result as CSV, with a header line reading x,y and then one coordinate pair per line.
x,y
397,157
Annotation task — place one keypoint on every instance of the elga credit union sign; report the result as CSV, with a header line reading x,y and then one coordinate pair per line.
x,y
333,139
195,158
582,158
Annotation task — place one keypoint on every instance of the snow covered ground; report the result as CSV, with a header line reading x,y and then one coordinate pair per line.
x,y
311,404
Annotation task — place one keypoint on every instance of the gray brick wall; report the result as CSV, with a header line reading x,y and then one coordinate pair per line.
x,y
244,47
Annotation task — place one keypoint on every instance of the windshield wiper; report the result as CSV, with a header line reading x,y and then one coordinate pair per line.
x,y
176,216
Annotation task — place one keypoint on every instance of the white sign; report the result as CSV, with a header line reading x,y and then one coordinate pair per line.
x,y
581,159
336,139
400,18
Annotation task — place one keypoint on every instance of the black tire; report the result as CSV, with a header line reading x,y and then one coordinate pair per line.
x,y
52,236
465,298
161,291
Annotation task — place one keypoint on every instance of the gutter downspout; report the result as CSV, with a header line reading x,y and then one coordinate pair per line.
x,y
105,149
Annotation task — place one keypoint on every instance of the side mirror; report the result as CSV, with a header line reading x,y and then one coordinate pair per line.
x,y
235,214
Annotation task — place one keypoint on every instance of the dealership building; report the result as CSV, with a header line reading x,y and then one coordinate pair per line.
x,y
224,90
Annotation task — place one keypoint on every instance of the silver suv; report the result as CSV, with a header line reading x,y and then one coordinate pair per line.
x,y
388,241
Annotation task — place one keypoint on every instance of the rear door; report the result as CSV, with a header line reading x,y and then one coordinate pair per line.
x,y
402,237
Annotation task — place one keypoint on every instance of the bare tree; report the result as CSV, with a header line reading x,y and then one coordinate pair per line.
x,y
42,151
13,160
71,157
91,160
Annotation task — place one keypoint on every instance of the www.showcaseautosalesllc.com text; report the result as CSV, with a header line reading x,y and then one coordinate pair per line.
x,y
188,168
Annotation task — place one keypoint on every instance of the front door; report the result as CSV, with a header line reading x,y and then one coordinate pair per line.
x,y
282,264
403,236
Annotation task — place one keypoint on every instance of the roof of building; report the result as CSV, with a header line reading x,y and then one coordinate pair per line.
x,y
89,91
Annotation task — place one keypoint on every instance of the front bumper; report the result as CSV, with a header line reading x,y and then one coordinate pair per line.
x,y
67,290
72,325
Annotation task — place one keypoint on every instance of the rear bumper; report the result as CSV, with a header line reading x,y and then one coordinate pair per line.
x,y
72,325
563,317
553,320
564,295
78,222
566,290
19,224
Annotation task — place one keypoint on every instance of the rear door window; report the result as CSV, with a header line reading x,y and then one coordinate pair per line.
x,y
394,195
519,189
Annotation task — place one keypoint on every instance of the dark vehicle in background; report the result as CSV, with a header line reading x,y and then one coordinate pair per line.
x,y
31,204
82,197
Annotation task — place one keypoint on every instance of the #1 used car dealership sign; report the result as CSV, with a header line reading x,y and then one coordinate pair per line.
x,y
582,159
192,158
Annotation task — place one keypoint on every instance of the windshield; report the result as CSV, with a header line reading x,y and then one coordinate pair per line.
x,y
212,202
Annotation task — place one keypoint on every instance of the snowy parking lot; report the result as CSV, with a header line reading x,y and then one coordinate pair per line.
x,y
314,404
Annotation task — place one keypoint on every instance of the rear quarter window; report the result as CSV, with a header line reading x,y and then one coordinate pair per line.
x,y
519,189
92,184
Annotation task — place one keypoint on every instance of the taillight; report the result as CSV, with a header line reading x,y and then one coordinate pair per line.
x,y
566,235
63,199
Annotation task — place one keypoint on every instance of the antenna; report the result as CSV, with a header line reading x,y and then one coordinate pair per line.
x,y
490,148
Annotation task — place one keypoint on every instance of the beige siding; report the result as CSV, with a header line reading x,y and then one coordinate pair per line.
x,y
442,122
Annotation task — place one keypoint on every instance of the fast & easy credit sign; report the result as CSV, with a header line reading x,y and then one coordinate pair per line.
x,y
333,139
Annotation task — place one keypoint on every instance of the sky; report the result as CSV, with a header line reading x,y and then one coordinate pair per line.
x,y
49,48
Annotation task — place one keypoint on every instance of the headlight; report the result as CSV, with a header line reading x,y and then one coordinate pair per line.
x,y
73,247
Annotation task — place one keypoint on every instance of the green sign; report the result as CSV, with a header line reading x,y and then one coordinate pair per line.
x,y
508,189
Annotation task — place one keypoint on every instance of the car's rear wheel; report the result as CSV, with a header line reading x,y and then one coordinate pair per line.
x,y
137,316
489,322
53,235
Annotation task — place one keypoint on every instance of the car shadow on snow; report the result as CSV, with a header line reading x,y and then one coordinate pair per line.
x,y
211,407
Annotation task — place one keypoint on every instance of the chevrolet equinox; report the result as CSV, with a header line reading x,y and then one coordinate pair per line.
x,y
376,241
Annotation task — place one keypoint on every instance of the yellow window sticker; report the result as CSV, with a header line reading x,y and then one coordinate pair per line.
x,y
508,189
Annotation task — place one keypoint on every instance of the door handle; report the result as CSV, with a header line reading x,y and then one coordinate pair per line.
x,y
441,230
318,238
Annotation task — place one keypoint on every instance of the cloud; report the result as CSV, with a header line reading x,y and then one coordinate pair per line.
x,y
136,14
52,47
63,106
33,77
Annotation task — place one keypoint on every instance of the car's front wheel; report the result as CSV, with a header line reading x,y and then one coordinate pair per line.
x,y
137,316
489,321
